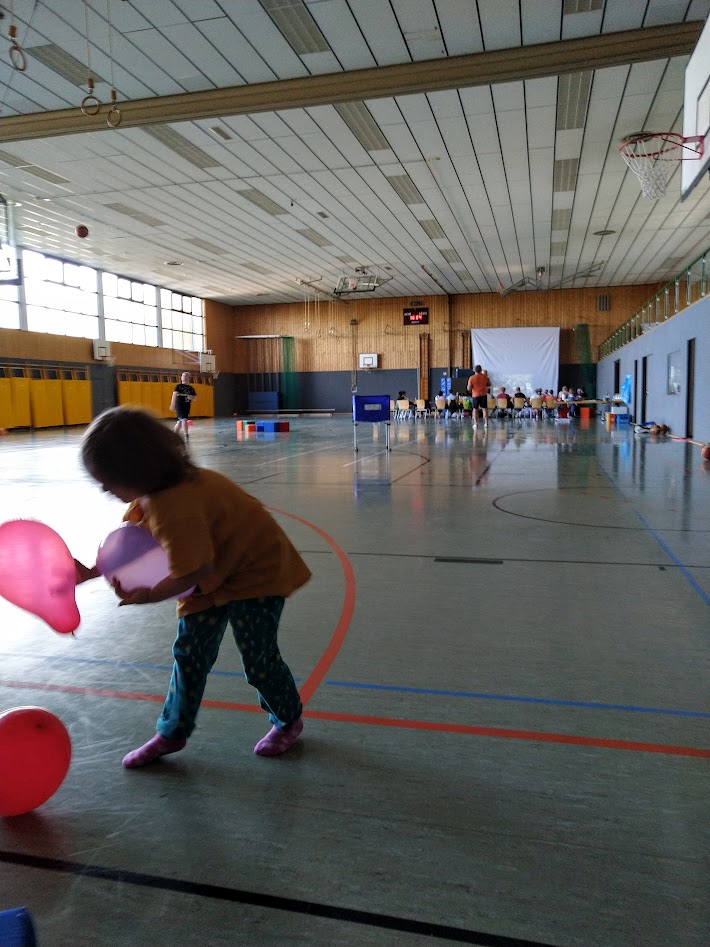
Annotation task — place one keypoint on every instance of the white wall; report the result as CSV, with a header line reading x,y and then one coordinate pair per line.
x,y
670,336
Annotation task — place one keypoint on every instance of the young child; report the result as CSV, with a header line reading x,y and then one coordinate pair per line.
x,y
219,539
183,395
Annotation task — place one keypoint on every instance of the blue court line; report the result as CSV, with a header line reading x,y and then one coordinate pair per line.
x,y
671,555
523,700
393,688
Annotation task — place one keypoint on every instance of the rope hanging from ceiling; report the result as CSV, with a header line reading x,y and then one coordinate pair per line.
x,y
90,105
18,60
114,116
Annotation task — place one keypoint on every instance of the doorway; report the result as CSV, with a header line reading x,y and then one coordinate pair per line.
x,y
644,383
690,389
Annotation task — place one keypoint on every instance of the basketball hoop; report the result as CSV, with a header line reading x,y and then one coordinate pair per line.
x,y
649,154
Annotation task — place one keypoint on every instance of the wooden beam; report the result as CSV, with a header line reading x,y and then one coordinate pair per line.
x,y
454,72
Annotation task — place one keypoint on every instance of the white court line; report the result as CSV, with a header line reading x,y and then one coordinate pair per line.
x,y
277,460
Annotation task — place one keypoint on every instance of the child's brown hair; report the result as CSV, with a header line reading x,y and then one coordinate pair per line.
x,y
129,447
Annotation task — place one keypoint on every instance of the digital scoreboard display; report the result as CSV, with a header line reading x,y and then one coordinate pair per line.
x,y
416,317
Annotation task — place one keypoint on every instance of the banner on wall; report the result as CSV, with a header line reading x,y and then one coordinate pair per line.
x,y
526,357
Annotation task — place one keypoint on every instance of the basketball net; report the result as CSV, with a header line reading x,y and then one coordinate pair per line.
x,y
649,154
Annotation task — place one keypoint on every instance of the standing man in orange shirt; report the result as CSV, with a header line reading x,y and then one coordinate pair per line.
x,y
478,385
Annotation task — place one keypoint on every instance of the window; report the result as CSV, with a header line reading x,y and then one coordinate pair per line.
x,y
183,326
61,298
9,307
675,373
130,311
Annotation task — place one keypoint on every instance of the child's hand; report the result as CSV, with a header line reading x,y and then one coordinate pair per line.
x,y
134,597
83,572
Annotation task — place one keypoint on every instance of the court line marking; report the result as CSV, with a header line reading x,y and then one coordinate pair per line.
x,y
651,531
394,688
271,901
314,679
506,733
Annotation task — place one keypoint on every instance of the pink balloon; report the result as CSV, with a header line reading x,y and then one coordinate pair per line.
x,y
131,555
37,572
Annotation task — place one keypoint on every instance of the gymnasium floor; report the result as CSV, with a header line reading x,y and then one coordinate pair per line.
x,y
504,654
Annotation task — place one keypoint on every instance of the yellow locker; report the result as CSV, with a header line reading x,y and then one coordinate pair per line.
x,y
6,413
204,406
46,402
21,412
168,388
151,396
76,397
129,391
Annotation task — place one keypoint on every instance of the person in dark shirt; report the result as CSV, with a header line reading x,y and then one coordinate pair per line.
x,y
183,395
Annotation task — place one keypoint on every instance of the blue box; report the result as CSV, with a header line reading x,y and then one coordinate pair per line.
x,y
623,418
371,408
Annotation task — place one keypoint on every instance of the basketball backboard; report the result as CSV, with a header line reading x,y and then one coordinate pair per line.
x,y
696,113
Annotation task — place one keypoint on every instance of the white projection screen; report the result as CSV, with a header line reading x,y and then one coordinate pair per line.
x,y
526,357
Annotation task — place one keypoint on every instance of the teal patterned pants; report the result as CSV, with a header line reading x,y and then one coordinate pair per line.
x,y
254,624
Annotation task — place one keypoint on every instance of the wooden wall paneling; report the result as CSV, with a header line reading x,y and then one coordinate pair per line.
x,y
321,331
424,365
219,333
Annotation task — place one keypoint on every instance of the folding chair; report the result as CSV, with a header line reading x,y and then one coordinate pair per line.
x,y
403,409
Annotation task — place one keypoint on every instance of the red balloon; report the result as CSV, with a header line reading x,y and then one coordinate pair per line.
x,y
37,572
705,452
82,231
35,752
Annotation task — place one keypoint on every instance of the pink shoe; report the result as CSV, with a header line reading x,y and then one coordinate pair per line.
x,y
279,739
152,750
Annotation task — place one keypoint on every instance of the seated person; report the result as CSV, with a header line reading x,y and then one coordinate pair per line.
x,y
500,395
402,396
452,405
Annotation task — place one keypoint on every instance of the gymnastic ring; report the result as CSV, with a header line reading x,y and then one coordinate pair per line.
x,y
114,117
90,105
21,63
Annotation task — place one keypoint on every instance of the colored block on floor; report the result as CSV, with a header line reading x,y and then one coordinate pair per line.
x,y
268,427
16,928
586,412
282,426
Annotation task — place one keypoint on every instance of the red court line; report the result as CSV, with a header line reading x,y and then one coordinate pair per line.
x,y
315,678
503,733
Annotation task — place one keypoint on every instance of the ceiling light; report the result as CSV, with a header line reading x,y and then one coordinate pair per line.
x,y
603,233
172,263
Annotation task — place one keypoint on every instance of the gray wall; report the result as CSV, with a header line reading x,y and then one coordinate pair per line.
x,y
656,345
